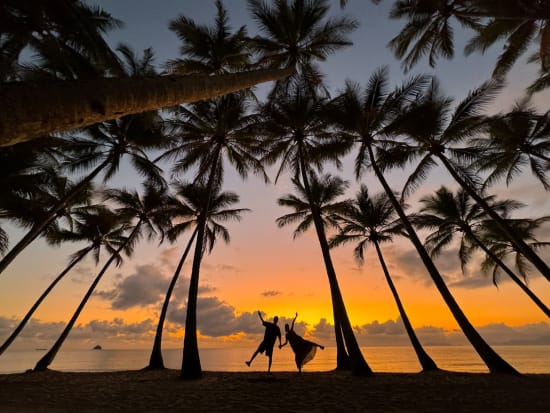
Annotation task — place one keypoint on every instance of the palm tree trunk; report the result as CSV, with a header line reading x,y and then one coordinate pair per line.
x,y
494,362
29,314
33,110
342,325
191,363
45,361
425,360
512,275
506,230
155,361
38,227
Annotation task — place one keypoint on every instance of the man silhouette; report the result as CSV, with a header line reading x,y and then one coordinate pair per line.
x,y
272,331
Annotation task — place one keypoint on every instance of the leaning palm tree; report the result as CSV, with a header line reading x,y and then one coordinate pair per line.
x,y
368,116
297,137
315,204
449,214
148,211
431,130
94,225
372,221
207,134
103,146
186,207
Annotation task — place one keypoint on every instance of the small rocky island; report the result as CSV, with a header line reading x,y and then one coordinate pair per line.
x,y
98,347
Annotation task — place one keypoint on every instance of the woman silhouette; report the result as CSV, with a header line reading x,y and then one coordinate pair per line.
x,y
304,350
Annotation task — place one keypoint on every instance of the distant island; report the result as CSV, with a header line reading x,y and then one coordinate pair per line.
x,y
98,347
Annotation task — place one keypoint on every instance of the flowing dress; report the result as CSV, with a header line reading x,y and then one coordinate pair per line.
x,y
304,350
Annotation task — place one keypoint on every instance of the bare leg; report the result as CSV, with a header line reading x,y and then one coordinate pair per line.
x,y
252,358
269,365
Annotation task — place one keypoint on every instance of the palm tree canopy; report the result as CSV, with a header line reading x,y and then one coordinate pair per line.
x,y
324,191
366,220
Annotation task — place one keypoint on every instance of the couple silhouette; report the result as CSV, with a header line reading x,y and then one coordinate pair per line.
x,y
304,350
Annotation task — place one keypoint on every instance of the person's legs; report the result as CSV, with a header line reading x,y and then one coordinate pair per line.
x,y
253,356
269,364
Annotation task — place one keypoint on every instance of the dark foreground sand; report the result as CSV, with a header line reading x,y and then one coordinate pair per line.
x,y
164,391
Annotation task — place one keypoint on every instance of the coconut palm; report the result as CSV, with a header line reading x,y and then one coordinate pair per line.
x,y
514,140
103,146
428,30
95,225
369,115
501,247
148,211
449,214
431,131
298,138
372,221
209,50
187,206
297,33
314,204
209,133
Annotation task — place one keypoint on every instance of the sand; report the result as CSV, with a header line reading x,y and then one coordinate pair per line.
x,y
156,391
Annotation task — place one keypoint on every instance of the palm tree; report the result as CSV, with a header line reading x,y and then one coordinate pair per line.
x,y
372,220
209,50
94,225
103,146
312,205
449,214
209,132
368,116
296,134
297,33
515,139
501,247
188,206
431,130
428,30
149,211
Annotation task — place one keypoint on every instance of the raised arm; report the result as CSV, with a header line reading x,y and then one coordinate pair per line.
x,y
260,315
292,325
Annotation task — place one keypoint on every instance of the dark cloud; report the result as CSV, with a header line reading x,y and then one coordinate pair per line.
x,y
270,293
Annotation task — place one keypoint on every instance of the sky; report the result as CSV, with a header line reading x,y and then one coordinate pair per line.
x,y
264,268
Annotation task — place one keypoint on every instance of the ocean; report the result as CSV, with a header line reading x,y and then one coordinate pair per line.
x,y
526,359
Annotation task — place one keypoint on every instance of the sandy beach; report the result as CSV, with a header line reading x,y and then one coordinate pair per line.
x,y
155,391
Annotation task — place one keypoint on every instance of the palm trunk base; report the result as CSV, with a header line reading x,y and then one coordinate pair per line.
x,y
155,362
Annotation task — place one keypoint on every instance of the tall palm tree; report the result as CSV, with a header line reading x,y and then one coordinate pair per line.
x,y
514,140
368,115
431,130
149,212
297,33
312,205
428,29
95,225
103,146
449,214
209,50
298,138
187,206
209,133
372,220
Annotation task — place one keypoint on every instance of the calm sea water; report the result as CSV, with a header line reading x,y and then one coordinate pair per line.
x,y
526,359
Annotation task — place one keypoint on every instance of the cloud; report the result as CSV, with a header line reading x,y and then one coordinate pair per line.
x,y
271,293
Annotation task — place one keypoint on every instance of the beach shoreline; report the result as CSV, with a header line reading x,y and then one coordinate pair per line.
x,y
151,391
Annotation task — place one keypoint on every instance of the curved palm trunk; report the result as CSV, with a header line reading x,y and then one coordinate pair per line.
x,y
155,361
342,324
29,314
512,275
425,360
521,245
45,361
37,228
191,362
493,361
30,112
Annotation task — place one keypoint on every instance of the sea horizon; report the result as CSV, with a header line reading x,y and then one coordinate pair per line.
x,y
528,359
